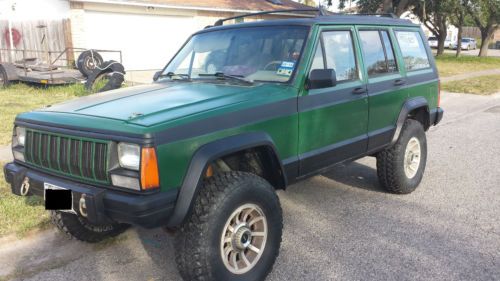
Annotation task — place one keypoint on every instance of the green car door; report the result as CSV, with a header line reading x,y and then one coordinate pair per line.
x,y
387,83
333,120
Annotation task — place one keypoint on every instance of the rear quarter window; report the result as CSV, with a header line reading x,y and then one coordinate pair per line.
x,y
413,50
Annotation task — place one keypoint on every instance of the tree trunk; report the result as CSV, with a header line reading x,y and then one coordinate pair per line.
x,y
387,7
441,40
460,30
443,33
485,41
459,40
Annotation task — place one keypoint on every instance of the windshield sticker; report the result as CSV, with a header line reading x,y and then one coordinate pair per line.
x,y
286,68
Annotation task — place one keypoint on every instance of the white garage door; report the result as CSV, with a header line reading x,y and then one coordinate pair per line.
x,y
146,41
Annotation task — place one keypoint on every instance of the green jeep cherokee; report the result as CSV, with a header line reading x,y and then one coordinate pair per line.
x,y
240,111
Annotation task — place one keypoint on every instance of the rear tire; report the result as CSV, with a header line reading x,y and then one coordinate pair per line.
x,y
234,214
81,229
400,168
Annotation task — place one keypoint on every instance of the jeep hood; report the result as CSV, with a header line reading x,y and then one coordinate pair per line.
x,y
151,104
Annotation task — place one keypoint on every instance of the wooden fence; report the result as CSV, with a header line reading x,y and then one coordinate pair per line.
x,y
34,39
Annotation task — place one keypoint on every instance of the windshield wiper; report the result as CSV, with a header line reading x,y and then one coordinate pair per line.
x,y
172,75
221,75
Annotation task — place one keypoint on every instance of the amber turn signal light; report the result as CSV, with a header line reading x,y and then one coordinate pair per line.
x,y
150,178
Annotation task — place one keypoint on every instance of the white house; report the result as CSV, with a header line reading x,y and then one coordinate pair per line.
x,y
148,32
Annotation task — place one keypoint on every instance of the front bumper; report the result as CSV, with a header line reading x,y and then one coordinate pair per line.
x,y
104,206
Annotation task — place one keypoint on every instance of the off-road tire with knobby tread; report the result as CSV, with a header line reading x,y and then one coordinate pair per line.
x,y
197,242
390,161
79,228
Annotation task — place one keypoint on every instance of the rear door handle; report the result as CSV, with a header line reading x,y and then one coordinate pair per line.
x,y
399,82
359,90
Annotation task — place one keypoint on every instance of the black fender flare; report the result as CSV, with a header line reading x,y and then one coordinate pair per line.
x,y
408,106
205,155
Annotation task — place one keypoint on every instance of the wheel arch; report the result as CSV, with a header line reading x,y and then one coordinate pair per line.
x,y
415,108
208,153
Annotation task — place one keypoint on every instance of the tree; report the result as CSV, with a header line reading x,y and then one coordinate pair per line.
x,y
434,14
398,7
486,16
458,19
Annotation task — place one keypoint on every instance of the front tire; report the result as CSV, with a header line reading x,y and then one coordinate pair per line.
x,y
401,167
81,229
234,230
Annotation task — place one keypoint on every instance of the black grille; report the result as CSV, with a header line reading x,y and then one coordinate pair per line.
x,y
73,156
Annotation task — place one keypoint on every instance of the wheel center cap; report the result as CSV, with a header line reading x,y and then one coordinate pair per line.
x,y
242,238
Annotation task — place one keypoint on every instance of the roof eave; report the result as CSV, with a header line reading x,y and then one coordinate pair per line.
x,y
180,7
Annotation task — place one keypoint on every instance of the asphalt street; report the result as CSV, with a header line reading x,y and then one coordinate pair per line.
x,y
340,225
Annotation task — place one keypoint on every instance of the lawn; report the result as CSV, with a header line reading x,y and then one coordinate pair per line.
x,y
21,98
18,214
449,65
483,85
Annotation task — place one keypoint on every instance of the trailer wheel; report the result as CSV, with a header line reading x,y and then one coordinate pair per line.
x,y
4,80
88,61
109,77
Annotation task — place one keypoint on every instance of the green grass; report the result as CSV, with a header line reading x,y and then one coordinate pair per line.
x,y
483,85
18,214
19,98
449,65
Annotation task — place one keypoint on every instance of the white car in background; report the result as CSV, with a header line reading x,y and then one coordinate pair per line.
x,y
467,44
433,42
448,44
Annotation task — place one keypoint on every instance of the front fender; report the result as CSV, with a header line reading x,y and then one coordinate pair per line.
x,y
207,154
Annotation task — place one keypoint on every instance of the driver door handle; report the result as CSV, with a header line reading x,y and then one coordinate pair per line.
x,y
399,82
359,90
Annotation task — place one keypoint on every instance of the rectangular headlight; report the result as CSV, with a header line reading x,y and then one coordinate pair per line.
x,y
129,156
20,136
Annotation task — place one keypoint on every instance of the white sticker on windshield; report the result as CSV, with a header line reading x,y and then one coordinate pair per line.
x,y
286,68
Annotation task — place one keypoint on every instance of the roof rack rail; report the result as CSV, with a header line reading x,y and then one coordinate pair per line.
x,y
320,11
386,15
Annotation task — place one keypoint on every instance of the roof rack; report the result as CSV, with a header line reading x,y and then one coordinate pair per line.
x,y
320,12
386,15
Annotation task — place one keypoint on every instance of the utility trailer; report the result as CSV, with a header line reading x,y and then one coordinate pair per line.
x,y
54,67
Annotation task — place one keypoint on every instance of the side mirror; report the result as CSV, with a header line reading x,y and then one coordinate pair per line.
x,y
322,78
156,76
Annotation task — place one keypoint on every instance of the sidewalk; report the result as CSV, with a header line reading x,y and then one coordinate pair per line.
x,y
5,153
470,75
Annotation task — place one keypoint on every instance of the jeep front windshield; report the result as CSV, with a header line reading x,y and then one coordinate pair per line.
x,y
268,54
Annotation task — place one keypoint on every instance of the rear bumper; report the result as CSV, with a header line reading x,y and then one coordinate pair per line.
x,y
104,206
436,115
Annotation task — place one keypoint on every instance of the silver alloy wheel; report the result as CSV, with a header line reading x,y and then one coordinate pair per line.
x,y
412,157
243,238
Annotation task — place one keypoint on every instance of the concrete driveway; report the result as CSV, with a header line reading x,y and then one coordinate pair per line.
x,y
338,226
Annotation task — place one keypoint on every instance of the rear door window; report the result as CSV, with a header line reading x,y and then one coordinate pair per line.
x,y
413,50
377,52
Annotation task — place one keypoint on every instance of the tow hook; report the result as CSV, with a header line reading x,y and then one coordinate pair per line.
x,y
25,186
83,206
